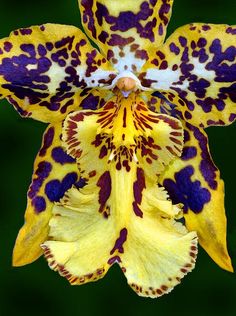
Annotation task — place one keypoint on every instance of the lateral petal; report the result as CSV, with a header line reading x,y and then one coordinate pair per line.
x,y
194,181
125,31
195,70
54,173
43,69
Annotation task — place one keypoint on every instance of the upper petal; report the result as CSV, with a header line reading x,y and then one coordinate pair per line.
x,y
125,30
195,70
43,69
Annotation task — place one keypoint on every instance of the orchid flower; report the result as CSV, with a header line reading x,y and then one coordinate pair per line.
x,y
124,174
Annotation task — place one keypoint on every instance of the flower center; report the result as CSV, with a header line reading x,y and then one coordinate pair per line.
x,y
126,84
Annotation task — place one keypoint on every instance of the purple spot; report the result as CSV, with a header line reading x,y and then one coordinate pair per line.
x,y
231,30
206,27
103,36
174,49
87,14
224,71
25,31
164,10
81,183
183,190
207,167
39,204
127,20
199,87
232,117
60,156
24,82
187,115
117,40
42,50
201,42
47,141
7,46
160,29
49,46
56,189
189,153
182,41
90,102
43,170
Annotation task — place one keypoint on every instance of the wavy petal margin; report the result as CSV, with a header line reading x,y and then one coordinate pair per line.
x,y
121,215
54,173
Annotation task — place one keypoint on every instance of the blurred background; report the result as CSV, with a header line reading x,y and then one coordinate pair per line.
x,y
35,289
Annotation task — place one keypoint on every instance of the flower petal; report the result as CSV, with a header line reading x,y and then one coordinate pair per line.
x,y
158,254
154,252
195,181
125,30
54,173
123,127
43,69
80,239
195,70
120,150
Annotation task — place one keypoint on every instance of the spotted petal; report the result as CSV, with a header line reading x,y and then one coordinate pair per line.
x,y
120,211
195,181
195,70
43,69
125,30
54,173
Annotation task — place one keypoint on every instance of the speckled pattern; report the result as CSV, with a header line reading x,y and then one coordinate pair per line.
x,y
125,30
119,167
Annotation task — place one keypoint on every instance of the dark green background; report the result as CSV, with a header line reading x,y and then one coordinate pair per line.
x,y
35,289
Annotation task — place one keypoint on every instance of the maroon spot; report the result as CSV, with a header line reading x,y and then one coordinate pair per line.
x,y
120,241
114,260
138,187
104,182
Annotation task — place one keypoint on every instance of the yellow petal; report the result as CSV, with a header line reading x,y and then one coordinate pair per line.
x,y
54,173
157,254
44,68
126,30
195,70
121,215
195,181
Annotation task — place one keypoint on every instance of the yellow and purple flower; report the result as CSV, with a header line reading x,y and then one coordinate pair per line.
x,y
125,155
